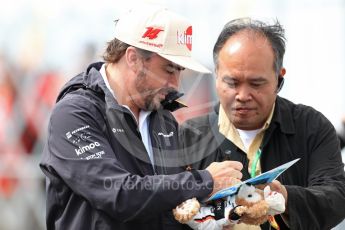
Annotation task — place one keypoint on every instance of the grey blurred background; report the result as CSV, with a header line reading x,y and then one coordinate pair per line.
x,y
43,43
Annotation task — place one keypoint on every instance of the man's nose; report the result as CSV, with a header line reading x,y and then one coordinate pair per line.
x,y
244,94
174,80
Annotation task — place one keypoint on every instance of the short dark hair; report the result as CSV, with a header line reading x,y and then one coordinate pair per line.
x,y
274,33
116,49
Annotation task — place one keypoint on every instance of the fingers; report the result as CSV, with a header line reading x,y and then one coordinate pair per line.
x,y
226,165
232,173
225,169
274,185
234,164
225,174
278,187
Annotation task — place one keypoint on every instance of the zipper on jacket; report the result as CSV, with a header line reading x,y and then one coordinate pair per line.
x,y
154,166
136,131
160,157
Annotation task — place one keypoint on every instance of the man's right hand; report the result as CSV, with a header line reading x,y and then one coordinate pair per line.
x,y
224,174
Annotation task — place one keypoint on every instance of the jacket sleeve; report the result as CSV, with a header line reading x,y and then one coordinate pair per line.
x,y
321,204
78,152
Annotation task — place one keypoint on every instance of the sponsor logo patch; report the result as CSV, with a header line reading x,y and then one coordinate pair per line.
x,y
185,38
117,130
152,32
86,148
166,135
95,155
70,133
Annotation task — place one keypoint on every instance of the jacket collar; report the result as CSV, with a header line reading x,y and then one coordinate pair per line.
x,y
93,78
90,79
283,116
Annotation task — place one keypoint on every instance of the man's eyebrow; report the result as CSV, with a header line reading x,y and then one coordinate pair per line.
x,y
255,79
228,77
258,79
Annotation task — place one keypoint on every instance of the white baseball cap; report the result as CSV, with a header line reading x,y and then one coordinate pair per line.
x,y
160,31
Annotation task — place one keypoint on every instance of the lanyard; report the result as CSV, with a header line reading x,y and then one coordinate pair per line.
x,y
271,219
255,163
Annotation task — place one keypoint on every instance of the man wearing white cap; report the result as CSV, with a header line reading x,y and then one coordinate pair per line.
x,y
111,158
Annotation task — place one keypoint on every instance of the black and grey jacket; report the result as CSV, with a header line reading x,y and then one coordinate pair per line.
x,y
98,172
315,184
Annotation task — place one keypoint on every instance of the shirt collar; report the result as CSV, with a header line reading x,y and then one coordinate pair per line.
x,y
105,79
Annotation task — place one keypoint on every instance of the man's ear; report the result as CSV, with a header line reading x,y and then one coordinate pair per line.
x,y
282,72
132,58
281,79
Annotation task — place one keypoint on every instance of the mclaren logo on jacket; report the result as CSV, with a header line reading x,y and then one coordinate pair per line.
x,y
166,134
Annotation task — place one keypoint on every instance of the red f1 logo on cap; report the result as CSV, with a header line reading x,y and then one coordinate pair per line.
x,y
151,33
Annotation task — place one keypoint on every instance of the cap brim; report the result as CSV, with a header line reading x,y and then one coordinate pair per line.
x,y
186,62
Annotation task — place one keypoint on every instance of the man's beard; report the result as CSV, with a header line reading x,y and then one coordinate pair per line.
x,y
151,101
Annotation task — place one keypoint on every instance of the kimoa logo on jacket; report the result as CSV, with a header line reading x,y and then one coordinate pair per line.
x,y
86,148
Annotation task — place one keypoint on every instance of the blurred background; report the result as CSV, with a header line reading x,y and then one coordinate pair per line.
x,y
43,43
